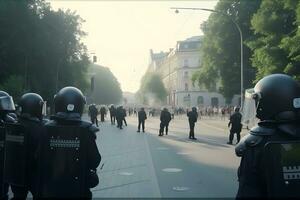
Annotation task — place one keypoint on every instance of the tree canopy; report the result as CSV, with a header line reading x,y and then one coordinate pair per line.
x,y
40,49
106,87
152,89
276,48
220,49
271,40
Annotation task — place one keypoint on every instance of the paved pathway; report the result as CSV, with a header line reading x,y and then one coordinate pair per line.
x,y
145,165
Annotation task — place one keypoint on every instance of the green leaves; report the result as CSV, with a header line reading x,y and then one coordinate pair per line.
x,y
42,47
220,67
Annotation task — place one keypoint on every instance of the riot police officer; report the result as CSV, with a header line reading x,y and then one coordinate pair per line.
x,y
193,116
165,118
6,106
93,112
69,155
120,116
236,125
112,113
102,113
142,116
270,153
21,156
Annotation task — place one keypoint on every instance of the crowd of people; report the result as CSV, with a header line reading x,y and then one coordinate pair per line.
x,y
42,156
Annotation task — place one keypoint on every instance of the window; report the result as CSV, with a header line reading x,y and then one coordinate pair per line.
x,y
185,63
200,100
186,87
214,102
186,74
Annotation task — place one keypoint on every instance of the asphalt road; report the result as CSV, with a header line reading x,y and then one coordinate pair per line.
x,y
145,165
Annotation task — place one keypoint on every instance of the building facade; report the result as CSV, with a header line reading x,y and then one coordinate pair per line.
x,y
176,68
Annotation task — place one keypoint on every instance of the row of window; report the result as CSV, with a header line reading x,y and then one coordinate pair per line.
x,y
214,101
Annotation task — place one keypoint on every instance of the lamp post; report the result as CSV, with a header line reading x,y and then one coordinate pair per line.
x,y
241,38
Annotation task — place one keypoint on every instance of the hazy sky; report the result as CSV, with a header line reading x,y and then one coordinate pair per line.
x,y
121,33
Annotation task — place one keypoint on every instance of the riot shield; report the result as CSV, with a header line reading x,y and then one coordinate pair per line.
x,y
16,151
283,168
63,162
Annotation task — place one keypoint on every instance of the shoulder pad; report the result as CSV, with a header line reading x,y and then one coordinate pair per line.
x,y
246,142
50,123
93,129
262,130
85,124
90,126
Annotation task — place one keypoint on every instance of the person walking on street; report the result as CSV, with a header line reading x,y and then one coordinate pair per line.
x,y
236,125
112,112
120,117
165,118
93,112
142,116
102,113
193,116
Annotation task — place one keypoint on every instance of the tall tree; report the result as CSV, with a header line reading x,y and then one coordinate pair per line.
x,y
152,89
107,89
276,48
41,47
220,49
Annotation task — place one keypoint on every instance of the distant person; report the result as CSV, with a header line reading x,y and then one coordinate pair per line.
x,y
120,116
165,118
102,113
192,116
236,125
93,112
112,113
142,116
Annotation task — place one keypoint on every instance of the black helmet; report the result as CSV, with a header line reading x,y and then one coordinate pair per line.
x,y
194,109
236,109
277,97
69,100
6,102
32,104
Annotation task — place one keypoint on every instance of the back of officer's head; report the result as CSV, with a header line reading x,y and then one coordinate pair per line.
x,y
6,103
69,100
31,104
236,109
277,97
194,109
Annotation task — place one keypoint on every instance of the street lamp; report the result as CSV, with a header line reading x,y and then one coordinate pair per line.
x,y
241,37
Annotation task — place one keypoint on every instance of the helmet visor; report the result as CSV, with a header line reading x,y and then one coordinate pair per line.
x,y
7,103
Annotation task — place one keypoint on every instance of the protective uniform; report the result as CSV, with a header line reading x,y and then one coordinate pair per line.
x,y
70,149
165,118
193,116
22,142
270,153
120,116
93,112
142,116
102,113
112,112
6,107
236,125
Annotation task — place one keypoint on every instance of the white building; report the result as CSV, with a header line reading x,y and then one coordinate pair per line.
x,y
176,68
